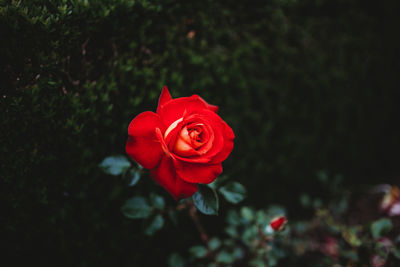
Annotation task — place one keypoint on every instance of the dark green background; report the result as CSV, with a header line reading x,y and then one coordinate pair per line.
x,y
305,85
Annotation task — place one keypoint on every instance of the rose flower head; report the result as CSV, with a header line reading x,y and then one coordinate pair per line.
x,y
182,144
278,223
390,203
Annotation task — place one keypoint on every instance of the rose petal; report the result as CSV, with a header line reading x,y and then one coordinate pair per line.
x,y
173,137
165,97
210,149
213,108
143,145
278,223
166,176
217,128
198,173
178,107
229,136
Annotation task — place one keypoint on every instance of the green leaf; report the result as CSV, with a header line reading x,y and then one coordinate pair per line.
x,y
250,234
247,213
214,243
173,217
132,177
157,201
381,227
198,251
351,235
115,165
156,224
231,231
382,250
176,260
233,217
217,182
136,208
206,200
238,253
350,254
396,252
225,257
257,263
305,200
233,192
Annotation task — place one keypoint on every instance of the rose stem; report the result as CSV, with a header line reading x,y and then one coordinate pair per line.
x,y
193,214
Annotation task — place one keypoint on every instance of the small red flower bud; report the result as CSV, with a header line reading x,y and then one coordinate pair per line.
x,y
278,223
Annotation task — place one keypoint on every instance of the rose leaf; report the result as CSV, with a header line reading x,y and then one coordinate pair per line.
x,y
233,192
225,257
132,177
214,243
198,251
206,200
176,260
136,208
156,224
115,165
381,227
157,201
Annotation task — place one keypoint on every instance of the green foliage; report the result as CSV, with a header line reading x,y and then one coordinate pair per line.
x,y
136,208
198,251
206,200
233,192
214,243
157,201
115,165
175,260
381,227
250,241
154,225
132,177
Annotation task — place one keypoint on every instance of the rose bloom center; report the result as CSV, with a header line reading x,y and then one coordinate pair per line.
x,y
193,139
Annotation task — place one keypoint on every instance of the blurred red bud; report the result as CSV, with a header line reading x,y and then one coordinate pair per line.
x,y
278,223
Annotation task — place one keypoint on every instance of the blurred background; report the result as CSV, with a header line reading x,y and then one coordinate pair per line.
x,y
308,87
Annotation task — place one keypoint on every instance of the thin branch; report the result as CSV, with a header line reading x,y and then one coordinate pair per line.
x,y
193,214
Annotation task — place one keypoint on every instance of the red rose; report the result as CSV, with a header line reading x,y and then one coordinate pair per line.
x,y
182,144
278,223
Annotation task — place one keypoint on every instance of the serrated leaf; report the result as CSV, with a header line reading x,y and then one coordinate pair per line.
x,y
115,165
156,224
157,201
206,200
198,251
233,192
381,227
132,177
136,208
